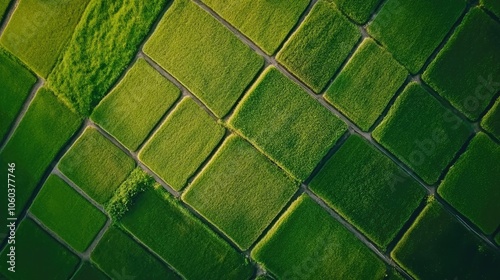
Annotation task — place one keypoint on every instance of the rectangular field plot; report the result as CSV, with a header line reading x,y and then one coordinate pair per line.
x,y
411,31
491,121
38,256
16,83
309,51
96,165
307,243
135,105
64,211
44,130
357,10
267,23
472,184
422,133
37,35
219,73
360,183
182,143
105,41
120,257
288,125
437,246
366,84
240,191
89,272
183,241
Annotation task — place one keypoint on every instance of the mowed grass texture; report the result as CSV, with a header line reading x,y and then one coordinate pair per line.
x,y
103,44
57,206
411,31
16,83
288,125
266,23
131,110
320,45
437,246
120,257
219,74
45,128
38,31
472,184
183,241
366,84
368,190
182,143
37,256
422,133
307,243
240,191
96,165
358,10
491,121
467,70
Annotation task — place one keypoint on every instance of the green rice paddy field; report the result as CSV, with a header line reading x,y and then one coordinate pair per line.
x,y
217,139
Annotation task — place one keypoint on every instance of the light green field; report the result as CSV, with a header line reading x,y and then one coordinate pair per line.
x,y
364,99
282,120
120,257
437,246
103,44
422,133
240,191
44,130
331,251
491,5
183,241
219,74
360,183
468,79
57,205
132,109
472,184
53,260
16,83
182,143
404,28
37,35
4,5
267,23
96,165
309,54
88,271
358,10
491,121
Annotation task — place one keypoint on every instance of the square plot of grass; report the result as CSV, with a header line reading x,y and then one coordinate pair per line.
x,y
182,143
109,255
366,84
16,83
240,191
88,271
37,256
491,5
422,133
267,23
288,125
135,105
412,30
64,211
219,73
466,71
307,243
358,10
361,183
491,121
45,128
320,45
96,165
437,246
472,184
183,241
38,31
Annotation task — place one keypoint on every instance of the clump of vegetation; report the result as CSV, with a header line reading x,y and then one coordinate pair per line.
x,y
137,182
